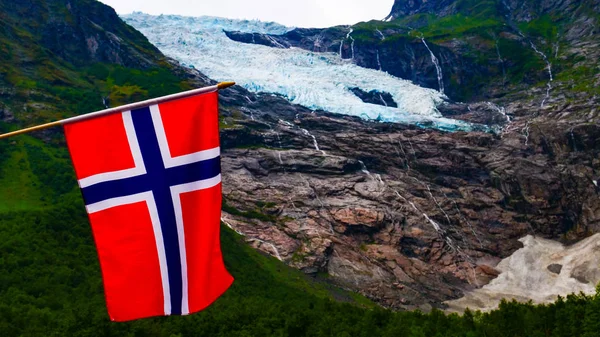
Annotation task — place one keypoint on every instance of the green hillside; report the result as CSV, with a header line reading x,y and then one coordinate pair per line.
x,y
50,282
62,58
496,44
50,286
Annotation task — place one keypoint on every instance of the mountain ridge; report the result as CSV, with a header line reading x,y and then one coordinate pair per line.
x,y
484,48
377,207
410,217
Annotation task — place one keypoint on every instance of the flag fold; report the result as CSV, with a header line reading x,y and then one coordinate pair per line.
x,y
151,182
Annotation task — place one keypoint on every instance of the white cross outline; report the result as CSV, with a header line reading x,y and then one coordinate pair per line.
x,y
148,197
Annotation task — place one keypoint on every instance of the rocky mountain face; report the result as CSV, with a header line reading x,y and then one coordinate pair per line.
x,y
408,216
61,58
414,217
483,50
402,8
79,32
518,10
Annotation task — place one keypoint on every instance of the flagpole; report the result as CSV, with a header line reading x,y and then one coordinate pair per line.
x,y
128,107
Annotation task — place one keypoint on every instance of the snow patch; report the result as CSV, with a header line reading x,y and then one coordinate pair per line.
x,y
525,274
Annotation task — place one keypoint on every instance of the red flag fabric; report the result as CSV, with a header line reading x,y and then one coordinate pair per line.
x,y
151,181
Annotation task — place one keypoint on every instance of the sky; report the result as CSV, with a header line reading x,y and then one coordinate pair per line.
x,y
296,13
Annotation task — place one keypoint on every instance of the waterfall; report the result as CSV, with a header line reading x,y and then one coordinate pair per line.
x,y
275,250
556,45
277,44
380,34
526,133
413,149
281,147
502,63
500,110
349,32
286,123
398,152
443,233
383,100
460,233
437,203
434,224
437,65
379,61
317,43
548,88
468,223
231,227
573,140
248,111
405,155
364,169
304,132
349,36
315,143
549,68
291,155
320,203
378,178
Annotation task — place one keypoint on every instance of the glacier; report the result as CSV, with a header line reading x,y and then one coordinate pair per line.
x,y
318,81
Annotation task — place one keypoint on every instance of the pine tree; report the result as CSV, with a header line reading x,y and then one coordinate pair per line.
x,y
468,322
591,323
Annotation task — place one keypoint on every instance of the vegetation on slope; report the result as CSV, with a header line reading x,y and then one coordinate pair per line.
x,y
50,286
495,46
50,282
61,58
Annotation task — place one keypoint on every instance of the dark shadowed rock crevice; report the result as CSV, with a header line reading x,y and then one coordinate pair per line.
x,y
375,97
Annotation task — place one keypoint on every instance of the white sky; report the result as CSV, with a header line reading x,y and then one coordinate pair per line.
x,y
298,13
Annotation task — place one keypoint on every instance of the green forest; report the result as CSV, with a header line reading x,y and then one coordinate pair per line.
x,y
50,282
50,285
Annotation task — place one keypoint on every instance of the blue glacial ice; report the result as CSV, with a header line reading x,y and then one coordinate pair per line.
x,y
318,81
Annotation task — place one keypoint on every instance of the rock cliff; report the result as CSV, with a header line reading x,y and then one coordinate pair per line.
x,y
411,217
407,216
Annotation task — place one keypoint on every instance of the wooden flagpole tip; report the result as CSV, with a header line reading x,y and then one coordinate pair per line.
x,y
33,128
223,85
127,107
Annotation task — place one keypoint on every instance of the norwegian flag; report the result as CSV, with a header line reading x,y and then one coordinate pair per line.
x,y
151,181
